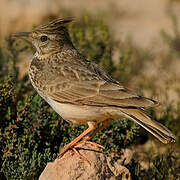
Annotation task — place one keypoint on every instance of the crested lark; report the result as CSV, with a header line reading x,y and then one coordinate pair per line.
x,y
80,91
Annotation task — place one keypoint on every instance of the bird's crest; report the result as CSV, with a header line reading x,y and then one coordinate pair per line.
x,y
54,25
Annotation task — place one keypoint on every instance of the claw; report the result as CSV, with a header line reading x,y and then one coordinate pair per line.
x,y
85,140
80,156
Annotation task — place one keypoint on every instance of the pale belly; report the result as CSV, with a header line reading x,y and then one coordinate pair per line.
x,y
82,114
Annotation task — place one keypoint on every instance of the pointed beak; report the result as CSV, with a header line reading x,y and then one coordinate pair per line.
x,y
24,35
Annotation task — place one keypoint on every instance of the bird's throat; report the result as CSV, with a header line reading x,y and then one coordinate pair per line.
x,y
44,56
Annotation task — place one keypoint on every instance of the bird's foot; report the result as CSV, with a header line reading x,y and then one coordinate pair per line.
x,y
75,150
80,156
86,140
64,150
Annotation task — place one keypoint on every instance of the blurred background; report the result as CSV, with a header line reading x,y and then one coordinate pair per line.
x,y
148,25
137,41
142,20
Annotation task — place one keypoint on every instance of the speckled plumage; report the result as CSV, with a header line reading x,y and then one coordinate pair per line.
x,y
79,90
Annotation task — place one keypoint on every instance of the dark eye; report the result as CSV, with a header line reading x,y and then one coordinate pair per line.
x,y
44,38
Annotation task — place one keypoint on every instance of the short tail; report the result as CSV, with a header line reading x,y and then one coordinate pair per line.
x,y
155,128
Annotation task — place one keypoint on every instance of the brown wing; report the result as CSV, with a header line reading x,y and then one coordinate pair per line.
x,y
93,87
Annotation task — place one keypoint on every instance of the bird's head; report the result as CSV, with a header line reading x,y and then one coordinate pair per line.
x,y
48,38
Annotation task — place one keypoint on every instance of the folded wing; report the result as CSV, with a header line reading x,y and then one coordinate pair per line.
x,y
96,93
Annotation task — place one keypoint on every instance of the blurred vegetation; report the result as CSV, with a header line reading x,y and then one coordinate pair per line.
x,y
173,41
31,133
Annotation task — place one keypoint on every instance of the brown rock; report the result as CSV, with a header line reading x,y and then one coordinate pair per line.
x,y
93,165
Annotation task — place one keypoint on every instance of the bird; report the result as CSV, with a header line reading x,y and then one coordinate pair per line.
x,y
79,90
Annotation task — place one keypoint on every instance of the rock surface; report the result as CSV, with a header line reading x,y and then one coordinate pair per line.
x,y
92,165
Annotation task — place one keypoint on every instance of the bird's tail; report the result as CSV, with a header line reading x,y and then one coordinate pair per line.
x,y
155,128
